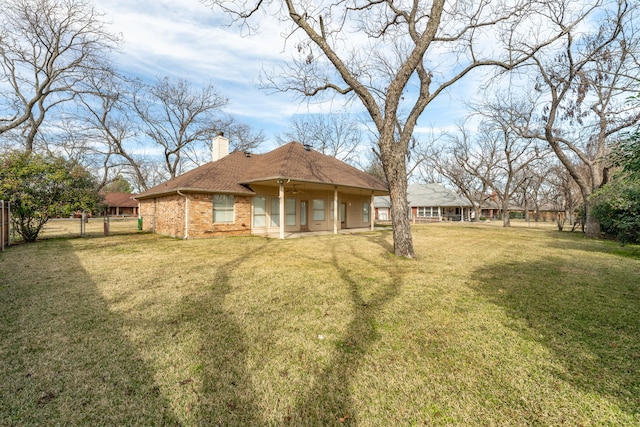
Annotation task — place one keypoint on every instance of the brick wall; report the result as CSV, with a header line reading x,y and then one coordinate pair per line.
x,y
201,217
165,215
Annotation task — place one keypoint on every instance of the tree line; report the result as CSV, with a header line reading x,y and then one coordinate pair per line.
x,y
556,80
62,95
562,69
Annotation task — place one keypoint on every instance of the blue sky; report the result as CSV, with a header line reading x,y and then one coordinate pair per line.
x,y
184,38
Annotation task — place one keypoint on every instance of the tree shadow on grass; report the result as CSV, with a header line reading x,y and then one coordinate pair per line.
x,y
382,238
585,312
227,396
65,360
329,400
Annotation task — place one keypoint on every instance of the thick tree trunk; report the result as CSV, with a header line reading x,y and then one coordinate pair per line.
x,y
506,221
393,162
402,238
477,212
592,225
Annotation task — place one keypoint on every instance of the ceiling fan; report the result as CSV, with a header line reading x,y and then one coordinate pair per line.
x,y
294,190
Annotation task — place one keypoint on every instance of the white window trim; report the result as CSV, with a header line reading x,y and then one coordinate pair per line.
x,y
225,210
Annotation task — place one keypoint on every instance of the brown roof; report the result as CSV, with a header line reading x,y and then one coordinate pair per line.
x,y
123,200
236,172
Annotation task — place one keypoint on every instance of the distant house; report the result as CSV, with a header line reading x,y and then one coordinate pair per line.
x,y
428,203
120,204
291,189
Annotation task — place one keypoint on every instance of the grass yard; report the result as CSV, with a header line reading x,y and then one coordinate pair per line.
x,y
489,326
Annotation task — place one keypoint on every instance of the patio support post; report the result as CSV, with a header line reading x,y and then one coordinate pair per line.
x,y
461,214
282,212
336,214
372,212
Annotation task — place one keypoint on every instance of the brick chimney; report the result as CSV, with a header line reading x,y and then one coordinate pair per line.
x,y
219,147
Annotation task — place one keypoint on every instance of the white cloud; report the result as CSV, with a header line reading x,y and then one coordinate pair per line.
x,y
184,38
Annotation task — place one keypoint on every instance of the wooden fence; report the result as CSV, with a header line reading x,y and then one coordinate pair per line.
x,y
5,240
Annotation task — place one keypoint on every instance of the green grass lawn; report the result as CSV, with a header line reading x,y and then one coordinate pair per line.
x,y
488,326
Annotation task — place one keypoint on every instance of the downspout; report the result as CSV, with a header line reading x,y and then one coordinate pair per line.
x,y
186,215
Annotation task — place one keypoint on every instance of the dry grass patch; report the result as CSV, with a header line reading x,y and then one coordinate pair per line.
x,y
487,327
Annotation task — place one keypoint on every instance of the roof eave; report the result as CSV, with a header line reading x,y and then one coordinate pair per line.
x,y
377,190
190,190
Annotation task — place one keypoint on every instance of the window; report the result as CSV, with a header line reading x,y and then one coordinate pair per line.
x,y
318,210
303,212
259,211
274,213
222,208
365,213
291,212
424,211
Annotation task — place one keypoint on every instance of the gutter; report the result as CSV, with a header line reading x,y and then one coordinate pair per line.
x,y
178,190
383,191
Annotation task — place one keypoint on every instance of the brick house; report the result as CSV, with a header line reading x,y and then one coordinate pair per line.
x,y
428,203
291,189
120,204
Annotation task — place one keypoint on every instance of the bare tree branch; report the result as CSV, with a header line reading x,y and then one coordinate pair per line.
x,y
47,48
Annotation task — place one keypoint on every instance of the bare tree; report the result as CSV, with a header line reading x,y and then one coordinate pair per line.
x,y
518,157
242,137
105,114
582,91
563,194
391,57
47,48
512,176
492,162
465,165
337,135
176,115
532,195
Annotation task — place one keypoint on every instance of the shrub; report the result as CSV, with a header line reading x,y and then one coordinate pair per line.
x,y
617,207
40,187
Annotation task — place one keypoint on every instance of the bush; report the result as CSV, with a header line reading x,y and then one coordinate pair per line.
x,y
617,207
40,187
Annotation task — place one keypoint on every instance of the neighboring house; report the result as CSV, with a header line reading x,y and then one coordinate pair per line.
x,y
120,204
490,209
382,205
428,203
290,189
546,212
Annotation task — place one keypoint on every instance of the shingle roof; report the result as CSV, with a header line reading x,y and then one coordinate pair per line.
x,y
434,195
123,200
428,195
236,172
